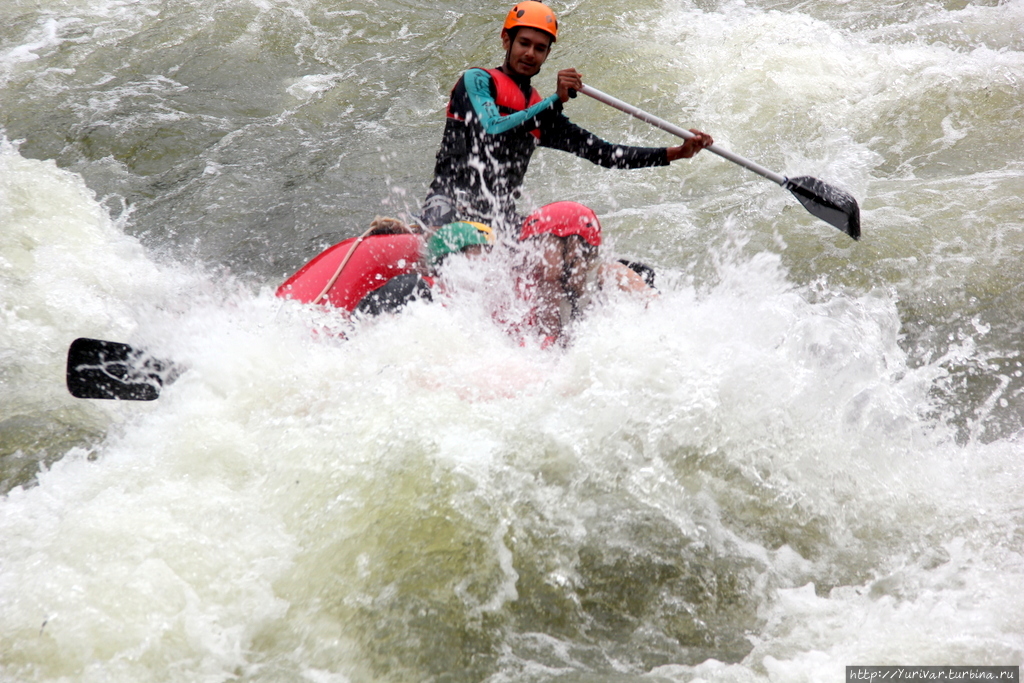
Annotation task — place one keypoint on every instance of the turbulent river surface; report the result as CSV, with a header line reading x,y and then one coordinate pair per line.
x,y
807,453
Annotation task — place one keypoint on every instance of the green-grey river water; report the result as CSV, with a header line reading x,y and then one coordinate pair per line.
x,y
807,453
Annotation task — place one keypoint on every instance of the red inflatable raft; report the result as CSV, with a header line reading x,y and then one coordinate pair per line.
x,y
345,273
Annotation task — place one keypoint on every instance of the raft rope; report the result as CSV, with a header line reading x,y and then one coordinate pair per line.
x,y
341,266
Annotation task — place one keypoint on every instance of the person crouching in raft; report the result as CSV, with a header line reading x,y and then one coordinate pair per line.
x,y
461,237
559,267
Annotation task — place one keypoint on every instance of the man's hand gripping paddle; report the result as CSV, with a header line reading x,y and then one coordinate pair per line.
x,y
830,204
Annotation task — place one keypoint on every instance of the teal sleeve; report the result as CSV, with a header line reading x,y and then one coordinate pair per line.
x,y
478,88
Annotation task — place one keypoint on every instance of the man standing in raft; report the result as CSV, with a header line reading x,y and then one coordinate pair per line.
x,y
496,119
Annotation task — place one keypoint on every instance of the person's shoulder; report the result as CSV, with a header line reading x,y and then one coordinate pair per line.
x,y
477,80
477,72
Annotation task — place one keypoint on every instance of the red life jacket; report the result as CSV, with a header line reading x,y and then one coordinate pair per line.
x,y
508,96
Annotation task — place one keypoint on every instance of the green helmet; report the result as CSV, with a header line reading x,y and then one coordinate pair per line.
x,y
455,237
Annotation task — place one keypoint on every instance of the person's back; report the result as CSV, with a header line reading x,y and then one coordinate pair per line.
x,y
417,281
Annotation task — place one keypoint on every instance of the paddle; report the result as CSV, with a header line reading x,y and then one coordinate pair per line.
x,y
830,204
106,369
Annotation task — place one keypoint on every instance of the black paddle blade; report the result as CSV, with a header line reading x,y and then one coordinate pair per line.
x,y
106,369
830,204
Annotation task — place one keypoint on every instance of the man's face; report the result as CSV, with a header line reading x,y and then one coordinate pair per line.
x,y
528,51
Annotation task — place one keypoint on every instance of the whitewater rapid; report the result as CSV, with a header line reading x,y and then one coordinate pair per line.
x,y
805,454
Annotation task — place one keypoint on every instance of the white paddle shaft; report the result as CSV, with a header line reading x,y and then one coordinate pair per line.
x,y
680,132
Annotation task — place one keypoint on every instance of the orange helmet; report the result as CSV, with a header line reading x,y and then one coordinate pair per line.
x,y
532,14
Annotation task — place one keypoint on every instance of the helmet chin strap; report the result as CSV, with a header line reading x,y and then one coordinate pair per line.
x,y
505,66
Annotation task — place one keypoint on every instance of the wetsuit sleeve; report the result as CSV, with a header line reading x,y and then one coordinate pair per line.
x,y
399,291
478,88
558,132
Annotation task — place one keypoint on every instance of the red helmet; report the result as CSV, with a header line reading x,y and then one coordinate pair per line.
x,y
563,219
532,14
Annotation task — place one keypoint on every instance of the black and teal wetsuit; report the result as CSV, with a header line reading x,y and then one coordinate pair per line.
x,y
494,123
